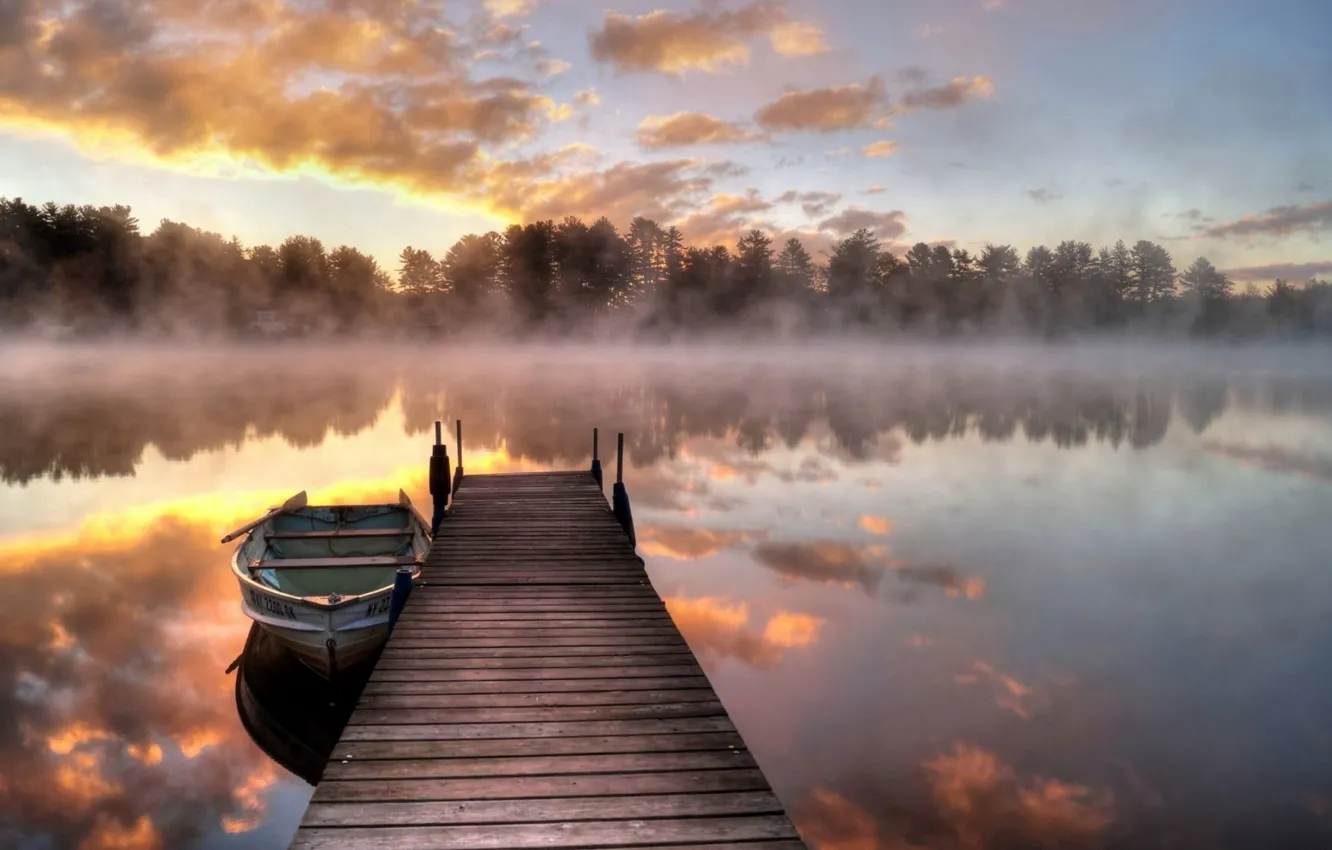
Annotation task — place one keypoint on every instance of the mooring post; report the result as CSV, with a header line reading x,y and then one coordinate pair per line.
x,y
439,478
620,496
458,470
402,588
596,461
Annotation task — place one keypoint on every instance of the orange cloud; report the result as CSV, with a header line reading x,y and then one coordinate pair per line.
x,y
688,544
826,110
789,629
952,94
885,225
985,799
1277,221
707,41
405,115
684,129
509,8
879,150
109,834
90,771
825,562
943,576
829,821
719,628
876,524
1010,694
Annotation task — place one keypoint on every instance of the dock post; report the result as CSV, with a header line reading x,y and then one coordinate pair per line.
x,y
620,496
402,588
439,478
596,461
458,471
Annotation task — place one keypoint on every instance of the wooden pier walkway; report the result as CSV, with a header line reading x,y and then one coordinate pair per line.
x,y
536,693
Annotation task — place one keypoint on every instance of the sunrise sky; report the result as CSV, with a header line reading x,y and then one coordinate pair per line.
x,y
1202,124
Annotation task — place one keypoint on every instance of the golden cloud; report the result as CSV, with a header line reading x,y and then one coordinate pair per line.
x,y
829,821
227,86
945,577
109,834
950,95
825,562
798,38
984,798
858,106
1278,221
885,225
723,221
679,543
139,671
879,150
875,524
789,629
690,128
1009,692
719,628
826,110
509,8
708,41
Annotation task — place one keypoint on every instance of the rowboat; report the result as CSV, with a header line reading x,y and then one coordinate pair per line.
x,y
320,579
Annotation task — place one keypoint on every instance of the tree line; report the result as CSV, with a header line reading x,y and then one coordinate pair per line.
x,y
92,268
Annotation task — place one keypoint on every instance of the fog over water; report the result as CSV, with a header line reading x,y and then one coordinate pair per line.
x,y
967,596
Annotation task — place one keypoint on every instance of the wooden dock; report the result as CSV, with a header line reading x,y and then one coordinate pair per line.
x,y
536,693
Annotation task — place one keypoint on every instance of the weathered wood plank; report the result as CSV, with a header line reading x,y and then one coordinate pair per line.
x,y
543,810
455,701
542,714
562,652
462,618
555,834
574,785
414,685
559,765
570,728
483,748
399,662
628,631
421,674
616,642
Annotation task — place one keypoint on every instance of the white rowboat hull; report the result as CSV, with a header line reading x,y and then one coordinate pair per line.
x,y
356,630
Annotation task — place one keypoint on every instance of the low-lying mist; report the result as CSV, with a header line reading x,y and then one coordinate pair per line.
x,y
88,410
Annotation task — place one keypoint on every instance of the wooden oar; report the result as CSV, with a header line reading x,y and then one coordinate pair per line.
x,y
295,503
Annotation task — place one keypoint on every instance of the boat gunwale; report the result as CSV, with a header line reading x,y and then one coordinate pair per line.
x,y
242,573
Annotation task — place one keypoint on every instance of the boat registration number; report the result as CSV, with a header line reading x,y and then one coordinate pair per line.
x,y
271,605
378,606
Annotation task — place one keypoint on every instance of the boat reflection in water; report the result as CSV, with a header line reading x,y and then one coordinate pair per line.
x,y
293,714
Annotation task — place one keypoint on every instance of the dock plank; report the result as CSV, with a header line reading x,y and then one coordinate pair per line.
x,y
536,692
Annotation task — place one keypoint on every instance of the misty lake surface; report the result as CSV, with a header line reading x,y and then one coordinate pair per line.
x,y
953,597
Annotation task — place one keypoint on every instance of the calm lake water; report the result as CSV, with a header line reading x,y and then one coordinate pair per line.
x,y
952,598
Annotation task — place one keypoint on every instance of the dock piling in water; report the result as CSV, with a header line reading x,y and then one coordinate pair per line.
x,y
439,479
458,472
620,496
402,588
535,691
596,461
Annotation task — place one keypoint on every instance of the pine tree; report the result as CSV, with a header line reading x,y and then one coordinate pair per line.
x,y
795,269
1204,281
